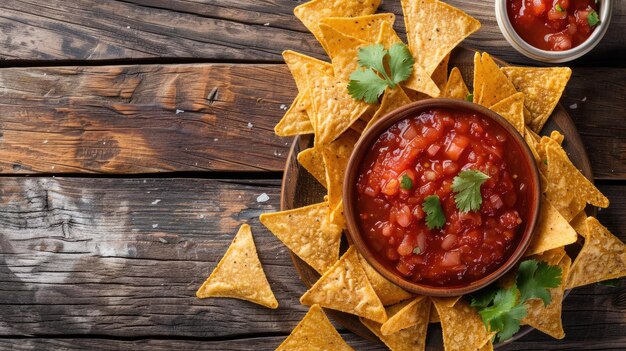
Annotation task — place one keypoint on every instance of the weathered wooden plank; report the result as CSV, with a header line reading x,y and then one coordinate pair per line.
x,y
217,29
128,119
123,258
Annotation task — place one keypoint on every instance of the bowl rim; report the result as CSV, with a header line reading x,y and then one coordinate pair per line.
x,y
349,198
511,35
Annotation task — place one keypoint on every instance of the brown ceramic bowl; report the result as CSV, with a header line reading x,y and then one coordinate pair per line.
x,y
350,195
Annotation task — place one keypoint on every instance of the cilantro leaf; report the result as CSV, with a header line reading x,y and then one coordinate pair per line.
x,y
534,278
467,187
373,56
559,8
593,19
505,313
366,85
484,297
406,182
469,97
435,217
400,62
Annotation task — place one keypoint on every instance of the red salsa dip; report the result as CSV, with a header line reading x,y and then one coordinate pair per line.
x,y
419,157
553,25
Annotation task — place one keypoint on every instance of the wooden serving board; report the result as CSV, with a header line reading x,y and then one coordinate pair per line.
x,y
299,188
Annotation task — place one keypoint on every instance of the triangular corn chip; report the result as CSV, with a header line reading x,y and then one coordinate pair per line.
x,y
343,51
456,87
512,109
602,257
314,332
388,292
393,99
296,63
412,338
434,316
312,12
478,78
345,287
495,84
463,329
440,75
488,346
334,110
542,88
307,232
239,274
556,136
547,319
434,28
552,230
313,161
336,156
366,28
296,120
419,80
406,314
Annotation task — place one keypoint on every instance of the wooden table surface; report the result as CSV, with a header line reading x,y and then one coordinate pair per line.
x,y
136,136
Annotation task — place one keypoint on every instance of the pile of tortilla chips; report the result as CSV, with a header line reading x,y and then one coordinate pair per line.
x,y
525,96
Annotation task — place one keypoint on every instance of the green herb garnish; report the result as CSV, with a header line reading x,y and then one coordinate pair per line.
x,y
417,250
467,187
534,278
406,183
469,97
435,218
593,19
370,80
559,8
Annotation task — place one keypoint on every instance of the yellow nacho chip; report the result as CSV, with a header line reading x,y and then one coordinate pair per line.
x,y
392,99
552,230
434,28
532,142
343,50
463,329
434,316
455,87
406,314
388,292
547,319
556,136
313,161
345,287
239,274
336,156
478,78
296,63
412,338
296,120
542,88
366,28
337,217
419,80
440,75
314,332
495,86
488,346
333,108
602,257
512,109
308,232
312,12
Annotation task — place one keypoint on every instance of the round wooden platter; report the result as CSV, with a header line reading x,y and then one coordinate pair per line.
x,y
299,188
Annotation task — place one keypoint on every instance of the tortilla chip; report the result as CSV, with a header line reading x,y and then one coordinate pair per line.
x,y
434,316
552,230
578,222
344,287
440,75
419,80
336,156
295,121
463,329
239,274
495,86
412,338
512,109
314,332
307,232
547,319
313,161
568,189
312,12
296,63
366,28
488,346
334,110
406,314
393,99
556,136
433,29
602,257
532,143
388,292
343,50
337,217
455,88
534,135
542,88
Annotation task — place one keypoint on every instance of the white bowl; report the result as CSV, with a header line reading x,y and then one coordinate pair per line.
x,y
606,8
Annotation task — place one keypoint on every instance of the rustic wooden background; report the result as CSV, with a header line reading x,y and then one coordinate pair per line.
x,y
136,136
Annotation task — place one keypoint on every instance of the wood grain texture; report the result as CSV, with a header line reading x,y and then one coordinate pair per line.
x,y
122,258
214,29
123,119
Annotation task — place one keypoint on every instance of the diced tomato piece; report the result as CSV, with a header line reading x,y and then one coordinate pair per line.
x,y
390,187
433,150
